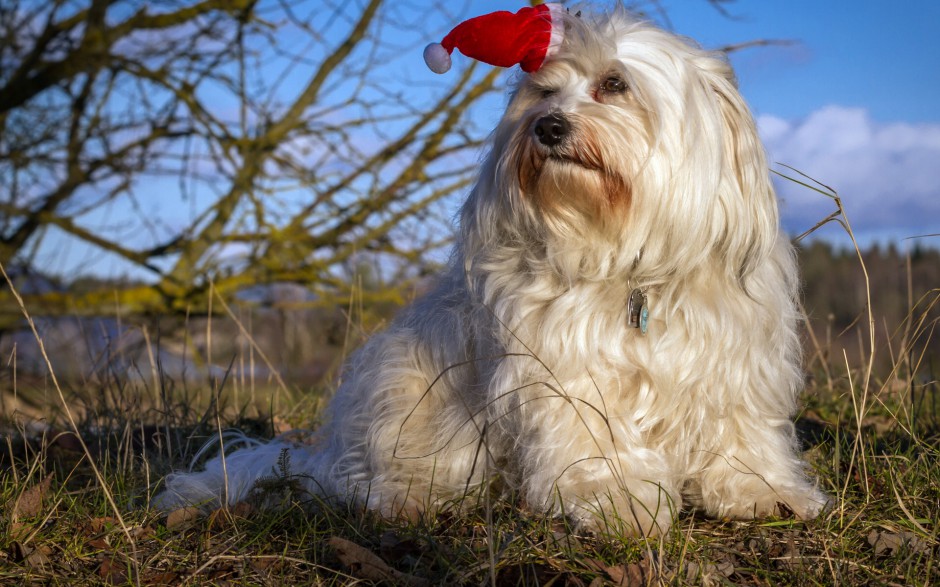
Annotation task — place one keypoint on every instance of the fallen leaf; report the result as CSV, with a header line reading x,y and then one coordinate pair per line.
x,y
29,503
33,556
890,542
18,550
20,530
725,567
181,516
629,575
99,525
139,532
790,557
99,544
709,573
367,565
626,575
113,572
265,562
39,557
161,578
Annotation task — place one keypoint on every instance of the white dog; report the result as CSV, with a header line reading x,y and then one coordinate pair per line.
x,y
615,337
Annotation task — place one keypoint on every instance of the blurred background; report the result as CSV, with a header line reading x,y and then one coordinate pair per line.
x,y
237,192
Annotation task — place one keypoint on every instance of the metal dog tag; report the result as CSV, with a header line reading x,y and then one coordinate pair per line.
x,y
638,314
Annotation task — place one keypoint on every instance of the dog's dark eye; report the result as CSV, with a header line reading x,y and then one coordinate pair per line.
x,y
614,85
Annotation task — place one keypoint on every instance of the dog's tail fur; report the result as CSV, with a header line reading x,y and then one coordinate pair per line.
x,y
229,478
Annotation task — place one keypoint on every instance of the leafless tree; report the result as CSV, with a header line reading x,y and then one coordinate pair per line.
x,y
285,127
229,141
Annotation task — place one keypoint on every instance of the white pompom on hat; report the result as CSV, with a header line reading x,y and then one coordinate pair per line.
x,y
502,38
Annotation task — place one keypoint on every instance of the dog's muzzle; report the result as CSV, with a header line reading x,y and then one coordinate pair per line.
x,y
551,130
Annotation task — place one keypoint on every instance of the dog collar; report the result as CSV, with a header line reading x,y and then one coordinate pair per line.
x,y
638,307
638,313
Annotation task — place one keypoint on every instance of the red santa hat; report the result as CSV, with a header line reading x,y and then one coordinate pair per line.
x,y
503,39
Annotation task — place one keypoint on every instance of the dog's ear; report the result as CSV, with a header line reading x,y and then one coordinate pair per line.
x,y
746,193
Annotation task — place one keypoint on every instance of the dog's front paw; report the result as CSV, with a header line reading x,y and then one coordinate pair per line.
x,y
757,499
804,505
649,512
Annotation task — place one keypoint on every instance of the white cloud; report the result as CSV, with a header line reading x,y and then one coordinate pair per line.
x,y
888,175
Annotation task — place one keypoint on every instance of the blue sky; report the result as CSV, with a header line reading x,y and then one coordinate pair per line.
x,y
854,102
878,55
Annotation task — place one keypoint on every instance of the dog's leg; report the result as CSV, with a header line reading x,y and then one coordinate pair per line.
x,y
623,490
755,472
403,438
576,460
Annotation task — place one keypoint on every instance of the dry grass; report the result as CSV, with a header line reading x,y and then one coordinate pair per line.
x,y
74,491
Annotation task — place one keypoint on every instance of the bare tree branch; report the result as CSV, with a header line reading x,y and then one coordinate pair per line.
x,y
235,142
276,122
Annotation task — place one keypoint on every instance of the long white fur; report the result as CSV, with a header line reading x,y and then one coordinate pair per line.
x,y
520,365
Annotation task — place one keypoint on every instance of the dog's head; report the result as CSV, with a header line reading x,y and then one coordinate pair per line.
x,y
634,136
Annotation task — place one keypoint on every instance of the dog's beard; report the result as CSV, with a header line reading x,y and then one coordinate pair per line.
x,y
576,175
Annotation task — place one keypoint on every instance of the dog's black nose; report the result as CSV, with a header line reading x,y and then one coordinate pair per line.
x,y
552,129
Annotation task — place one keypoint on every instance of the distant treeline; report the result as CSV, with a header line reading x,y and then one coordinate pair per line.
x,y
904,286
306,337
